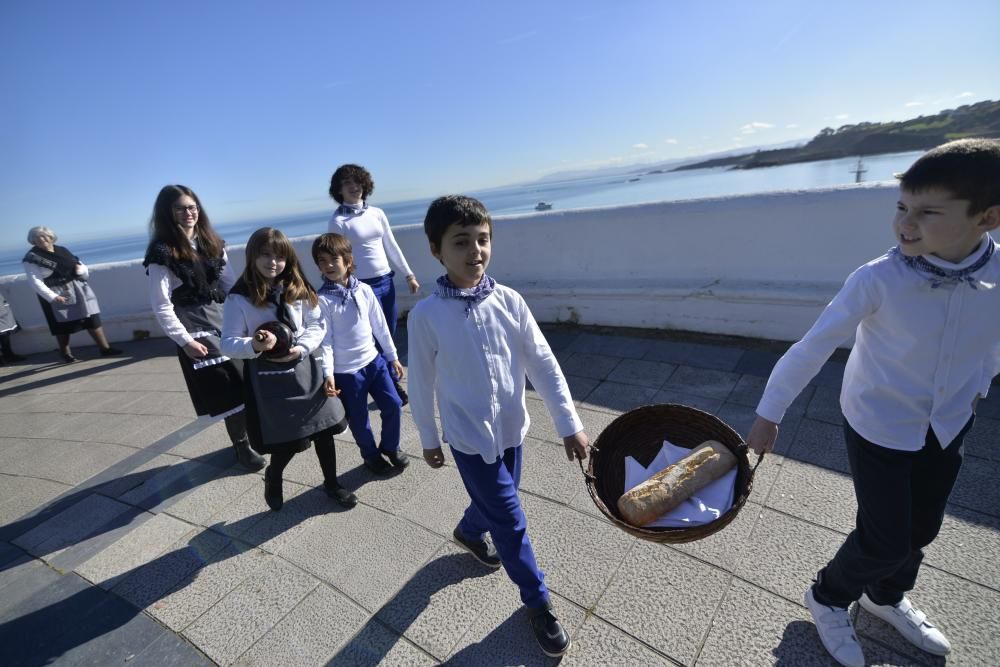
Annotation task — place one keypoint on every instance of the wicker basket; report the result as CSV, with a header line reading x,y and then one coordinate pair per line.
x,y
640,434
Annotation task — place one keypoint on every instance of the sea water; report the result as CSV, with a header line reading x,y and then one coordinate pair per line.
x,y
636,187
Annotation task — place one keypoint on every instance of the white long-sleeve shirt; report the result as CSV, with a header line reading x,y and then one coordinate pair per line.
x,y
351,330
162,283
475,364
241,318
373,244
920,357
37,274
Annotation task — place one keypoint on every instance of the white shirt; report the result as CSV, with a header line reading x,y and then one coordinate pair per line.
x,y
240,319
162,282
372,242
476,364
37,274
920,357
350,336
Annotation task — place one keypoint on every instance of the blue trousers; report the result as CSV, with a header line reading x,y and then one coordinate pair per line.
x,y
496,508
385,292
375,380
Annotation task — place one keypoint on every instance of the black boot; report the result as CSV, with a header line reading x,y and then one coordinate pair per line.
x,y
343,497
247,457
273,494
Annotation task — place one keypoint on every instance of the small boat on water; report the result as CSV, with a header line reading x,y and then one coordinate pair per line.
x,y
543,206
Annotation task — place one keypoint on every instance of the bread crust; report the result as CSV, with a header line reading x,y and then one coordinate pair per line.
x,y
676,483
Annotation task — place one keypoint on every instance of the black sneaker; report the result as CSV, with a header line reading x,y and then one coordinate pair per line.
x,y
549,632
273,494
378,465
482,550
110,352
397,458
343,497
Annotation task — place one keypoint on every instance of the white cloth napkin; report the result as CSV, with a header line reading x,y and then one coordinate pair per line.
x,y
711,502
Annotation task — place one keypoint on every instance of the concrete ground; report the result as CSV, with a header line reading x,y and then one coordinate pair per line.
x,y
127,536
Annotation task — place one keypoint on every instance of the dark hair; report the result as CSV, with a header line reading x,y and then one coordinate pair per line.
x,y
356,173
335,245
163,229
454,210
967,168
294,282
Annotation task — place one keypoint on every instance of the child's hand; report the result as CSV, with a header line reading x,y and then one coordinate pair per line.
x,y
263,341
59,299
294,354
195,350
330,387
762,435
576,445
411,280
434,457
396,369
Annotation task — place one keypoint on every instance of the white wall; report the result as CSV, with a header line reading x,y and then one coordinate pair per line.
x,y
754,265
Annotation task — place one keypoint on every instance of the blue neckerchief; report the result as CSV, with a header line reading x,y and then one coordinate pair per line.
x,y
938,276
347,209
336,290
471,296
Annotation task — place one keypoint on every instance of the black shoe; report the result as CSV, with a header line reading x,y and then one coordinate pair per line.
x,y
273,495
110,352
549,632
68,357
403,396
378,465
343,497
247,457
482,550
397,458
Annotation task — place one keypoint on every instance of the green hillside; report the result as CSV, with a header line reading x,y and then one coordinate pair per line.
x,y
972,120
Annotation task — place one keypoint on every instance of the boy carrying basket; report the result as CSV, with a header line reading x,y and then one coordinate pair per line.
x,y
926,316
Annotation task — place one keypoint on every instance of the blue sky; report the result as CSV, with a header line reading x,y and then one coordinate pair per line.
x,y
253,104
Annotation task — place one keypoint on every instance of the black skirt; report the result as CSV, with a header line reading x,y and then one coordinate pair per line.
x,y
213,389
57,328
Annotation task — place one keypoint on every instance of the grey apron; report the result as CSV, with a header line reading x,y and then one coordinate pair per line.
x,y
214,382
289,400
81,302
7,321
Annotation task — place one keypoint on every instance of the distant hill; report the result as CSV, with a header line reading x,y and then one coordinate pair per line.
x,y
972,120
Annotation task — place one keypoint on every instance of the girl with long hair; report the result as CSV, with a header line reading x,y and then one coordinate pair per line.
x,y
287,404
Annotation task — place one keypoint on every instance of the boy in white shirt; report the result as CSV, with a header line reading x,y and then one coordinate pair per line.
x,y
471,344
352,366
926,316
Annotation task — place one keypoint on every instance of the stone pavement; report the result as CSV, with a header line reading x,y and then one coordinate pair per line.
x,y
128,537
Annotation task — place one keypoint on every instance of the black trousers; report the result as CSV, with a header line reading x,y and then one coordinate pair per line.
x,y
326,452
901,501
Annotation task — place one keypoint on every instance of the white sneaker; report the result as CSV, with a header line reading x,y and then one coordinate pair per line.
x,y
911,623
836,632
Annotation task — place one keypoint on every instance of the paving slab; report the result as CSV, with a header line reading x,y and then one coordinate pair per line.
x,y
310,634
436,606
337,544
235,623
74,525
650,596
141,545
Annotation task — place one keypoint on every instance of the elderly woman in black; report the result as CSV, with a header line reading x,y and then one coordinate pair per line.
x,y
60,279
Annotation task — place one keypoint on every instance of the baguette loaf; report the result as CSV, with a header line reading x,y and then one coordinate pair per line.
x,y
676,483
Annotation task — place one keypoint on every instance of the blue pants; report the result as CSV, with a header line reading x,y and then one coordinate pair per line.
x,y
385,292
373,379
496,508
